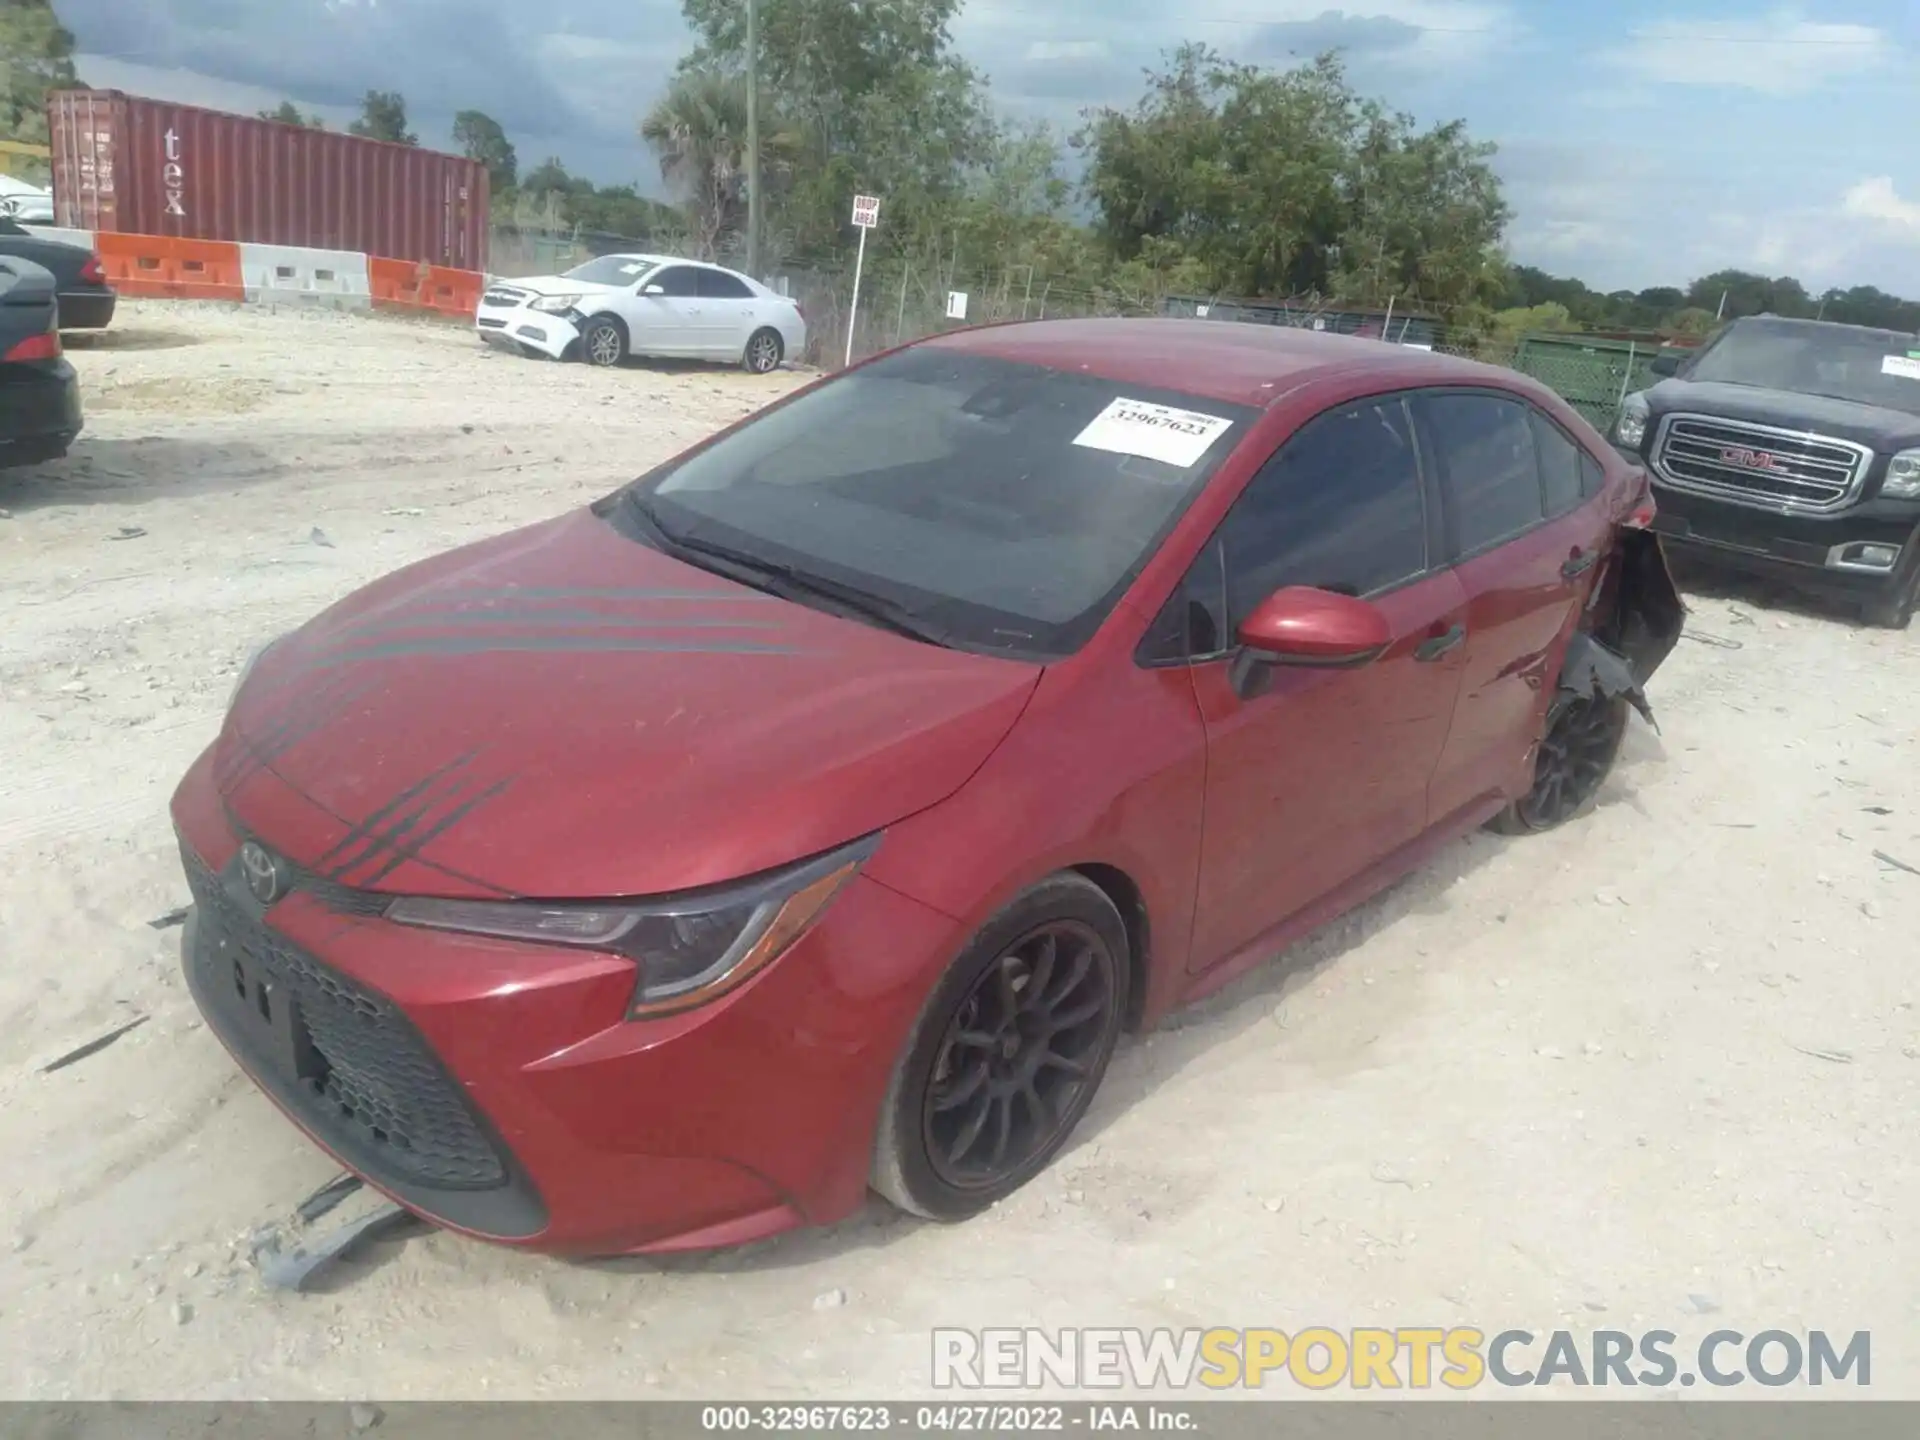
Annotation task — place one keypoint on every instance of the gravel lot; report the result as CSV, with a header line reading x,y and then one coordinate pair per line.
x,y
1658,1070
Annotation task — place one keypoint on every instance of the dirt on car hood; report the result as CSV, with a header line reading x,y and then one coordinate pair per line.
x,y
562,713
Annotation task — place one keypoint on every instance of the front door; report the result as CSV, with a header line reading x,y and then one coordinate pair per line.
x,y
667,323
1527,542
1325,773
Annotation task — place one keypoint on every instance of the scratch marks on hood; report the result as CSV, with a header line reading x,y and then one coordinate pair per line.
x,y
287,716
401,829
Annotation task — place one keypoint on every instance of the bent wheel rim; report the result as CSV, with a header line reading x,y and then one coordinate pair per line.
x,y
1019,1055
1573,762
604,345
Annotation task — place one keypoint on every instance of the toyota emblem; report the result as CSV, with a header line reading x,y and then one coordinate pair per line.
x,y
266,876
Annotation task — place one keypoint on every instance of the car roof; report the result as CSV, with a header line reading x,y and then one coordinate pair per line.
x,y
673,260
1224,360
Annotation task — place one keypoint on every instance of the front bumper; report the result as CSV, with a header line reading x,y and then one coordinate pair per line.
x,y
39,412
509,328
1817,552
87,309
498,1089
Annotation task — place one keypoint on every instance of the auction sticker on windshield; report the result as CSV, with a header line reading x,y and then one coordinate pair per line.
x,y
1153,432
1907,366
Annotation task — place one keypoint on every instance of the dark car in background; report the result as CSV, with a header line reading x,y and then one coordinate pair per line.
x,y
1791,448
39,395
87,301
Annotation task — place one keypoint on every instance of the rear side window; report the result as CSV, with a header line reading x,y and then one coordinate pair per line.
x,y
1338,507
1592,478
717,285
678,280
1489,467
1559,467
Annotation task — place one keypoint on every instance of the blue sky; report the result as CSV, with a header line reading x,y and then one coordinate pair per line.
x,y
1643,142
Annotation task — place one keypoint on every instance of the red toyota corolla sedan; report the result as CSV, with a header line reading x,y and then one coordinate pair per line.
x,y
814,813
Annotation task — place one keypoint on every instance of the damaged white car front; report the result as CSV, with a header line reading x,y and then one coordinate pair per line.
x,y
540,317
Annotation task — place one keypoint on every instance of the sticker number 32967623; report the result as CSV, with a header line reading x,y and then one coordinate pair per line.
x,y
1153,432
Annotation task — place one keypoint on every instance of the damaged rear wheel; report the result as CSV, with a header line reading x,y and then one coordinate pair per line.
x,y
1576,755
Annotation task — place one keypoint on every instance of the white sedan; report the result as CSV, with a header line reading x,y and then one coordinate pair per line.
x,y
621,305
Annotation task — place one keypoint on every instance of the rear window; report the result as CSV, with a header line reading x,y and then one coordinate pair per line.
x,y
1008,503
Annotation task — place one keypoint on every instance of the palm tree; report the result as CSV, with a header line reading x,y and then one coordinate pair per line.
x,y
699,130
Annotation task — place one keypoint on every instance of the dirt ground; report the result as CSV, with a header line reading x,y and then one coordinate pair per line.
x,y
1658,1070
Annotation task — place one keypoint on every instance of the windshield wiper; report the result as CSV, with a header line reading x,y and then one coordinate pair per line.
x,y
788,582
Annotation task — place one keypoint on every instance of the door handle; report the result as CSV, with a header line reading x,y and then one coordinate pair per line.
x,y
1578,564
1435,646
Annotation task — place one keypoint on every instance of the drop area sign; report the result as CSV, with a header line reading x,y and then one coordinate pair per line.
x,y
866,211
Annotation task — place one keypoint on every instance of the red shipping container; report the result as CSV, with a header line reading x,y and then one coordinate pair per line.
x,y
150,167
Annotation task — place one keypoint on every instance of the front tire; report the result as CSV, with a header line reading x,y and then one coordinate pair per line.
x,y
1007,1054
1575,757
604,342
765,350
1895,611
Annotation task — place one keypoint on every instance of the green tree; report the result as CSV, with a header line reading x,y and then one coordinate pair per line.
x,y
383,116
1286,183
289,114
480,138
698,130
36,55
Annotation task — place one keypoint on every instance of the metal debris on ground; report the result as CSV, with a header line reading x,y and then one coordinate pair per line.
x,y
128,532
319,537
1718,642
1886,859
1836,1057
176,916
92,1047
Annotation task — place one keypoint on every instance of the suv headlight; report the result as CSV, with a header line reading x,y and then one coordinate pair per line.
x,y
1903,476
690,949
1631,428
555,304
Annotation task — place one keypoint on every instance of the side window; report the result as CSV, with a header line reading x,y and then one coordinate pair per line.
x,y
718,285
1339,507
1192,625
1489,472
1592,478
1559,467
676,280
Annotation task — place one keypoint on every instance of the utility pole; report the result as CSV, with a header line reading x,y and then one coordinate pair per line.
x,y
753,138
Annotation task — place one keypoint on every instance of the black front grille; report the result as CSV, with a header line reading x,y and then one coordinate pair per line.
x,y
365,1078
1739,460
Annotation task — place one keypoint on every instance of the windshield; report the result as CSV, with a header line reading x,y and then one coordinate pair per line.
x,y
612,270
1005,505
1869,367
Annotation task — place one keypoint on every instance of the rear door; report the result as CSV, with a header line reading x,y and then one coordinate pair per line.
x,y
668,323
1325,773
1525,538
727,314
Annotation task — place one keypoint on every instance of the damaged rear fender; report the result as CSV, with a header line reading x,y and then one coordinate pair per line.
x,y
1632,638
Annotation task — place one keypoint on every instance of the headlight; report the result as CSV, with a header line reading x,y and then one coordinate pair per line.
x,y
555,304
1631,428
690,949
1903,476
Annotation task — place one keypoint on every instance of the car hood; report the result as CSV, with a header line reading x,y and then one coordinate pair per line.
x,y
555,285
562,712
1867,425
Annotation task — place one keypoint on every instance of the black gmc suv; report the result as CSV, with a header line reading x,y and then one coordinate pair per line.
x,y
39,397
1791,448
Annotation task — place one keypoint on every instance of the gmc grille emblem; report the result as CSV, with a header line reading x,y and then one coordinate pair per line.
x,y
1749,459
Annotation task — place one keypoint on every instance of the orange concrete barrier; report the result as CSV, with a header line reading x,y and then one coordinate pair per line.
x,y
403,285
163,268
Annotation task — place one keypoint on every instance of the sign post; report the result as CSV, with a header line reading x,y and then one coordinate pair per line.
x,y
866,215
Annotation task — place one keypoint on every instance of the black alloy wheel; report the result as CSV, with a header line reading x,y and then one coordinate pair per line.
x,y
1007,1055
1574,759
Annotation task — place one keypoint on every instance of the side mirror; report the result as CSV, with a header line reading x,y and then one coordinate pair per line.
x,y
1664,365
654,290
1306,627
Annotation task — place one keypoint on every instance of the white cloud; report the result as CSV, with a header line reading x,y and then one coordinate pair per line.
x,y
1780,54
1067,50
1878,200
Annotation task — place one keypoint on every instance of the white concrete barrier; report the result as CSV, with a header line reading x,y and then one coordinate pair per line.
x,y
285,274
